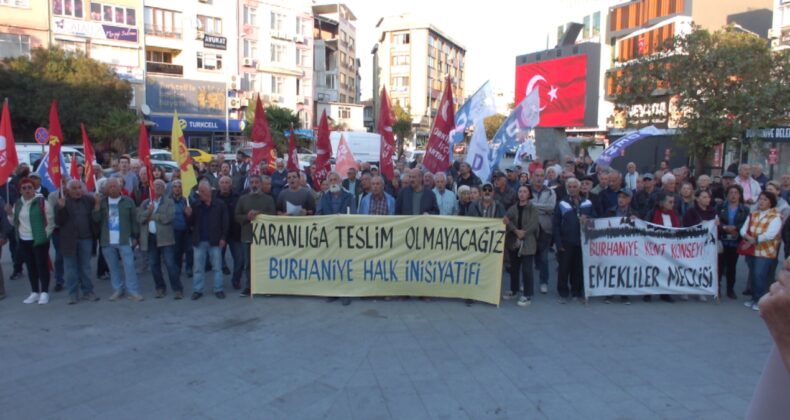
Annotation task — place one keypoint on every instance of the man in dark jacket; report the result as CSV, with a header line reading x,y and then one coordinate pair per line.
x,y
209,221
230,198
569,214
73,217
414,199
247,209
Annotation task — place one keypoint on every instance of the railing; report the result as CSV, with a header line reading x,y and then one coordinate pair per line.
x,y
164,68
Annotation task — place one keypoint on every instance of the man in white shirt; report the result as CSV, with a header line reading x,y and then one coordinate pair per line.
x,y
631,176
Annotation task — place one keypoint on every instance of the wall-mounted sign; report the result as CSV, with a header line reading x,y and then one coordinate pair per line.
x,y
96,30
215,42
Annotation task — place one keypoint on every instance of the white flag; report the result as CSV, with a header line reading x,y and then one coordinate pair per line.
x,y
479,156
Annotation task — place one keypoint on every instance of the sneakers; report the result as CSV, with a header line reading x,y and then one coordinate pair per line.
x,y
197,295
160,294
179,295
755,307
562,300
544,288
245,293
523,301
731,294
702,298
33,298
345,301
90,297
684,298
749,303
73,300
508,295
225,271
607,300
43,298
136,298
220,294
625,300
117,295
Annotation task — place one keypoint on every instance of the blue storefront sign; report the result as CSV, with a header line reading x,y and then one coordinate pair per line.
x,y
164,123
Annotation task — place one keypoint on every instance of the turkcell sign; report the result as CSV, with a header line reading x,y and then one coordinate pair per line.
x,y
205,125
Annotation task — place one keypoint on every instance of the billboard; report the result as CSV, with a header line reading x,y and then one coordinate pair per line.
x,y
567,81
166,95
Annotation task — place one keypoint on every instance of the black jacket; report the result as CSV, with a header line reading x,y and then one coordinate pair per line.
x,y
218,221
234,229
567,226
403,204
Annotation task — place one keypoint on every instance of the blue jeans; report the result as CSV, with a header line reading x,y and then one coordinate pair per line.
x,y
78,268
183,248
155,256
238,253
759,276
202,251
112,253
542,264
59,270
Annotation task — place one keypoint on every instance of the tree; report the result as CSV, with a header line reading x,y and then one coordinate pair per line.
x,y
117,131
492,124
280,120
725,82
402,127
87,91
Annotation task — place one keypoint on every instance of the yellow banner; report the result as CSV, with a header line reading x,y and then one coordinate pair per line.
x,y
349,255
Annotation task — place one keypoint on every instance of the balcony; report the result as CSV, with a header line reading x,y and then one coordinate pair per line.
x,y
161,32
164,68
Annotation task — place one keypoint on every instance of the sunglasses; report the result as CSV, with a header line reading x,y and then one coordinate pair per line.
x,y
488,189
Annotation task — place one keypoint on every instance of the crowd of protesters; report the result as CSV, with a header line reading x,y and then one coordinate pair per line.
x,y
542,205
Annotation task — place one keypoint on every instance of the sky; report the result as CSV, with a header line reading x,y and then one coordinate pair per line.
x,y
494,32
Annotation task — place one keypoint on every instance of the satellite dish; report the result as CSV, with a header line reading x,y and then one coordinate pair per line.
x,y
145,109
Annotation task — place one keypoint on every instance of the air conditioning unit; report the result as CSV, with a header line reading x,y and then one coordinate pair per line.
x,y
771,33
248,62
266,98
234,103
245,102
199,35
234,82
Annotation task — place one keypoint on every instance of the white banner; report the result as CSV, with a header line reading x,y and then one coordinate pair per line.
x,y
622,257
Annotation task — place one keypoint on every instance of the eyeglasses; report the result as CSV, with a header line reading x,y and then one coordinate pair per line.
x,y
488,189
26,187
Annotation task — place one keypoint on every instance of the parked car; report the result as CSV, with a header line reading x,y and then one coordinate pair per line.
x,y
201,156
31,152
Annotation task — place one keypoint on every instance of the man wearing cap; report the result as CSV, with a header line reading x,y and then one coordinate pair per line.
x,y
512,178
544,200
502,193
585,190
631,176
279,177
641,200
487,206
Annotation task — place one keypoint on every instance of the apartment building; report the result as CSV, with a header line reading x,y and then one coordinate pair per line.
x,y
412,58
780,26
276,54
24,25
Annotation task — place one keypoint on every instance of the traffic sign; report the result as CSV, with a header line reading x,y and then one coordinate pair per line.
x,y
42,135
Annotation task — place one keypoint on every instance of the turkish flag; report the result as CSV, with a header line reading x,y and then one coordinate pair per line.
x,y
55,140
563,87
8,157
74,170
437,152
261,141
387,149
323,152
293,158
90,156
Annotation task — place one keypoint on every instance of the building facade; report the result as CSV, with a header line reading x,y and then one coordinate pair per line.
x,y
24,25
276,54
190,63
780,26
412,59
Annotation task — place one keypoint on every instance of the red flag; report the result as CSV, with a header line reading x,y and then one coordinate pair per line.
x,y
437,152
344,158
90,156
323,151
387,149
74,170
293,158
562,90
8,157
144,151
55,140
262,143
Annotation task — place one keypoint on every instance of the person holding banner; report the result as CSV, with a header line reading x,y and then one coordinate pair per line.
x,y
521,242
415,199
701,212
378,202
664,215
760,244
295,200
487,206
622,210
569,215
248,207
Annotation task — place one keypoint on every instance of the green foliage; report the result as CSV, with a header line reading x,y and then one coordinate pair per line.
x,y
726,82
280,119
402,127
121,128
492,124
87,91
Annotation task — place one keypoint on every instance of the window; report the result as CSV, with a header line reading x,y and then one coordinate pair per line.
x,y
249,15
278,53
15,3
400,84
208,61
71,8
344,112
560,33
596,24
249,82
13,45
113,14
119,56
156,56
330,81
209,25
302,58
277,85
431,40
401,60
400,38
161,22
277,22
250,48
586,30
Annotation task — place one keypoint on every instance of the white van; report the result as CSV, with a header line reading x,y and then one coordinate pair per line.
x,y
31,152
365,146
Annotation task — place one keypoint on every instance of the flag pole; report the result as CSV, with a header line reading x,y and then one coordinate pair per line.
x,y
8,182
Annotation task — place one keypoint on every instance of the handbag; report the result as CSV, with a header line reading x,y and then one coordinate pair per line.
x,y
745,247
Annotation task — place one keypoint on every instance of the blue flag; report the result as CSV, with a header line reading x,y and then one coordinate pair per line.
x,y
524,117
46,180
618,147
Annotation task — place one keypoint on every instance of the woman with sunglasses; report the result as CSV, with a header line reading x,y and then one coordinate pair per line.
x,y
34,221
521,242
